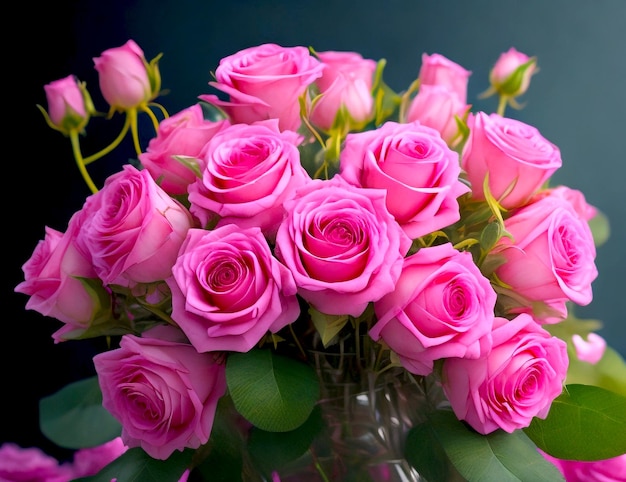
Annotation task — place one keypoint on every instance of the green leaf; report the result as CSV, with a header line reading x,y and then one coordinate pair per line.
x,y
328,326
273,392
497,457
74,417
584,423
600,228
137,466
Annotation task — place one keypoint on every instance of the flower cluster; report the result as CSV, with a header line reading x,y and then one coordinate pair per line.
x,y
307,206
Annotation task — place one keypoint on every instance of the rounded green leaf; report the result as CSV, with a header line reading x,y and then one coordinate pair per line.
x,y
273,392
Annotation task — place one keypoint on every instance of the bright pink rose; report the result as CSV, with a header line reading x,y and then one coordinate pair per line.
x,y
124,76
501,75
439,70
52,279
516,381
265,82
514,154
249,172
90,461
69,104
19,464
183,134
590,350
552,253
162,391
442,306
436,106
419,172
608,470
228,290
133,229
346,81
575,197
343,247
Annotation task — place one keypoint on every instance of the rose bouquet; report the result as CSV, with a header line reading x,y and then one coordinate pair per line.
x,y
310,276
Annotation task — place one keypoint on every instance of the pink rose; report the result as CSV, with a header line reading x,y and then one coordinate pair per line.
x,y
502,76
607,470
228,290
69,104
249,172
439,70
343,247
419,172
575,197
265,82
126,79
442,306
52,279
436,106
516,156
183,134
19,464
552,253
90,461
590,350
516,381
133,229
346,81
162,391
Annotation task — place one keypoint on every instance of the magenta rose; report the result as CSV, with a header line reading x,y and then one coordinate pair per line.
x,y
516,381
437,106
551,257
183,134
52,279
69,104
89,461
265,82
249,172
442,306
607,470
516,156
134,229
439,70
415,166
228,290
126,79
162,391
346,82
31,464
573,196
343,247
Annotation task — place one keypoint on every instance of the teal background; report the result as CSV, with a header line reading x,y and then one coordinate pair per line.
x,y
577,100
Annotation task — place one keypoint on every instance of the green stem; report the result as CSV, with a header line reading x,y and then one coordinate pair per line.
x,y
155,121
132,115
110,147
502,104
80,162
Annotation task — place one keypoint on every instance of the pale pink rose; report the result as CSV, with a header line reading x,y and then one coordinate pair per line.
x,y
343,247
516,381
418,170
346,81
133,229
31,464
442,306
52,279
436,106
511,152
607,470
90,461
575,197
439,70
265,82
124,77
228,290
501,74
183,134
162,391
249,172
552,254
69,105
590,350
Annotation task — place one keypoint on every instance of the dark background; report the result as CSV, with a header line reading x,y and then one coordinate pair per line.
x,y
577,100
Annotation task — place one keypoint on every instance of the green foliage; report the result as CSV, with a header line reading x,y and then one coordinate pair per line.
x,y
584,423
74,417
273,392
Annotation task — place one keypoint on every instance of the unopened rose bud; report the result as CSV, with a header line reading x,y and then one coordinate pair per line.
x,y
510,76
69,105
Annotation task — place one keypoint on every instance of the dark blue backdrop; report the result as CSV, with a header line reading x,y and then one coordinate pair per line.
x,y
577,100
